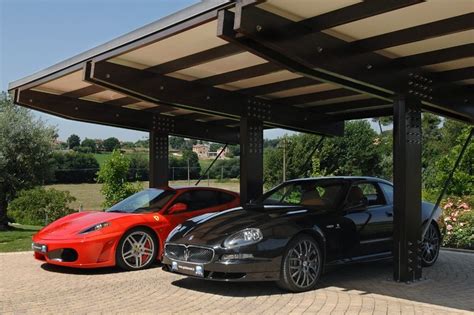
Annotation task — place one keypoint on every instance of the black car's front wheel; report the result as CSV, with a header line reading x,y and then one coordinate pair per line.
x,y
430,246
136,250
302,265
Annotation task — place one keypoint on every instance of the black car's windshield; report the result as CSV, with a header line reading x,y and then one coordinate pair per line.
x,y
144,201
318,194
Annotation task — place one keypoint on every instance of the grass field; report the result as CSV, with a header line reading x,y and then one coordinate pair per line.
x,y
18,238
89,197
102,157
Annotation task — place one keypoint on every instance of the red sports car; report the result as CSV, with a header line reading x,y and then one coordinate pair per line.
x,y
131,234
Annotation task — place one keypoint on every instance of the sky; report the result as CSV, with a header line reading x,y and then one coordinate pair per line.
x,y
35,34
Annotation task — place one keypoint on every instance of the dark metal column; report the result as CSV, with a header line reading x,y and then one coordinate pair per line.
x,y
407,188
159,163
251,159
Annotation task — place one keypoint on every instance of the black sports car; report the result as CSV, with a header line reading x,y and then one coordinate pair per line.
x,y
292,232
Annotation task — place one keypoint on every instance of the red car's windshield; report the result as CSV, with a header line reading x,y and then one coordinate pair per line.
x,y
147,200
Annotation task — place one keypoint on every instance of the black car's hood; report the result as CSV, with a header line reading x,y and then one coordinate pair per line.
x,y
213,228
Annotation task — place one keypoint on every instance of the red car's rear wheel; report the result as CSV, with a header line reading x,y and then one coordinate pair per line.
x,y
137,249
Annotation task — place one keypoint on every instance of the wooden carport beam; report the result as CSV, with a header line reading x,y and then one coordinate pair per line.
x,y
277,39
87,111
158,88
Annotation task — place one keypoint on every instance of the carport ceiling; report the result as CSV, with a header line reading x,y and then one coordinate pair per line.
x,y
303,65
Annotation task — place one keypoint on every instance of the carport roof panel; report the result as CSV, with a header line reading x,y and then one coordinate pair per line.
x,y
181,16
185,46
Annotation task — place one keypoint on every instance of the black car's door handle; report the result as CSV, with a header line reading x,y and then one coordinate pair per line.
x,y
389,213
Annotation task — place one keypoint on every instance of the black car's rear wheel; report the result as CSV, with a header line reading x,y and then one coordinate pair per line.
x,y
136,250
302,265
430,246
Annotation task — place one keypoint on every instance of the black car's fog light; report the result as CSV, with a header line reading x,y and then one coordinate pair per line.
x,y
236,256
174,266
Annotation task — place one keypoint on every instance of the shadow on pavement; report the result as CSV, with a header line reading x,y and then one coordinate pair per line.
x,y
88,271
448,283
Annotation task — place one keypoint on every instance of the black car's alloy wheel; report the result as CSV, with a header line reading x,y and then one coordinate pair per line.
x,y
136,250
430,246
302,265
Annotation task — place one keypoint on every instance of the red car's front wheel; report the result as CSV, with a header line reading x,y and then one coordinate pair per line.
x,y
136,250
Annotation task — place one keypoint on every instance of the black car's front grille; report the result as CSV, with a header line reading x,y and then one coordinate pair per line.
x,y
190,253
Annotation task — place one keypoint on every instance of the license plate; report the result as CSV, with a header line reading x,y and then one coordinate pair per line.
x,y
187,269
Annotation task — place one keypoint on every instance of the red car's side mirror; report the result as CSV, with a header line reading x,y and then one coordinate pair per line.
x,y
178,207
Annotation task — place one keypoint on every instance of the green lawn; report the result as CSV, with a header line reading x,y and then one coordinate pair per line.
x,y
102,157
18,238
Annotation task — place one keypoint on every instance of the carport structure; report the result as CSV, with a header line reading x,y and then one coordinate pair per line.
x,y
224,71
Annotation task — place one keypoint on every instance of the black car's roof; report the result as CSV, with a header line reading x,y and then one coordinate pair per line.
x,y
345,178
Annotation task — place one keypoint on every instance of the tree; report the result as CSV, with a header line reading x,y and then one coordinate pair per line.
x,y
192,157
215,147
383,121
177,143
74,167
462,183
142,143
89,143
113,176
73,141
356,153
26,145
234,150
111,144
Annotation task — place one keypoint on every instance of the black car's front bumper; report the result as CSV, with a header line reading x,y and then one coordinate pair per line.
x,y
256,266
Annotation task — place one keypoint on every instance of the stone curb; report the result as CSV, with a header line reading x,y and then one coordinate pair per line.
x,y
458,250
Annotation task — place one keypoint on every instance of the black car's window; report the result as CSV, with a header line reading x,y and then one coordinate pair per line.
x,y
147,200
368,191
388,191
306,193
199,199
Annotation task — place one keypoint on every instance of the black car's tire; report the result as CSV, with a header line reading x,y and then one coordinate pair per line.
x,y
301,265
430,246
137,249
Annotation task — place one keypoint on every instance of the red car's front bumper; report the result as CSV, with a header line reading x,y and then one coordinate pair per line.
x,y
85,252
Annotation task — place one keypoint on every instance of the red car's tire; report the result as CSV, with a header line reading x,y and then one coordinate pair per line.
x,y
137,249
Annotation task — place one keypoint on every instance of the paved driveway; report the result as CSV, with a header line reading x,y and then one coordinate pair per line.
x,y
29,286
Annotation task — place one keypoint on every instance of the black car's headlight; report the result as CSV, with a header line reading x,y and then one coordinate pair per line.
x,y
96,227
244,237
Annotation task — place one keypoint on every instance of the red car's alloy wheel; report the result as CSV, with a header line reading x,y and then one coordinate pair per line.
x,y
137,250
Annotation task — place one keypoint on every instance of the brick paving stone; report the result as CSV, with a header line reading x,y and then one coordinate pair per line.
x,y
31,287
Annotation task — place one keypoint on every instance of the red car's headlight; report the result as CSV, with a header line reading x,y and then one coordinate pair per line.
x,y
95,227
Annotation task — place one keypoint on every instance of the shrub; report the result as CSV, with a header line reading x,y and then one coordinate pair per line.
x,y
113,175
457,223
40,206
139,167
228,168
74,167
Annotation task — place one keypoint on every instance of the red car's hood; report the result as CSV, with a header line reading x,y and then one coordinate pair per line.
x,y
70,226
